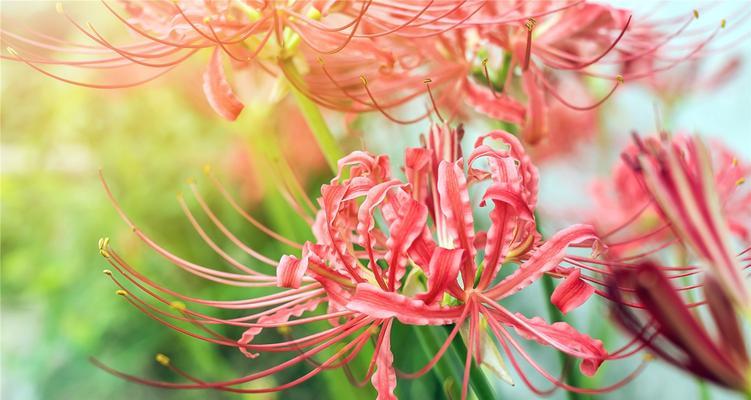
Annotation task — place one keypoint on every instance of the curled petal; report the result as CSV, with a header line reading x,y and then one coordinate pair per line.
x,y
565,338
502,108
384,378
290,271
455,207
278,319
217,90
377,303
572,293
545,258
444,267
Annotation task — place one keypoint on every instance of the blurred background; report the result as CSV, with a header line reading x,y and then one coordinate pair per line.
x,y
57,308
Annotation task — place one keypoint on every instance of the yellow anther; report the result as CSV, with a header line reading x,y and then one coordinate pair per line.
x,y
696,14
484,61
619,79
530,24
178,305
107,272
207,169
734,162
121,292
319,59
648,357
426,81
59,7
740,181
103,244
162,359
206,20
364,80
723,23
11,51
284,329
314,14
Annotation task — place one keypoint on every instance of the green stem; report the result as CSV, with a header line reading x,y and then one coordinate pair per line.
x,y
317,124
571,374
478,381
430,342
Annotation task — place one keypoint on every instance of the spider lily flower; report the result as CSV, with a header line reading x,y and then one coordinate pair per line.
x,y
385,250
427,234
710,346
245,32
625,197
684,208
677,178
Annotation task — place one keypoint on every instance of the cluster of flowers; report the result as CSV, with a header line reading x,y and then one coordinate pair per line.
x,y
359,56
408,249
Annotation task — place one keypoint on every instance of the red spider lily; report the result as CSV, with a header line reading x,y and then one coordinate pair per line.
x,y
373,233
623,194
681,199
670,329
679,178
396,46
428,231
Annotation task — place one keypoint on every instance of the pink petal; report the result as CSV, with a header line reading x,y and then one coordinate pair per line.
x,y
217,90
380,304
455,207
508,213
384,378
503,107
404,231
444,267
572,293
536,127
563,337
545,258
290,271
278,319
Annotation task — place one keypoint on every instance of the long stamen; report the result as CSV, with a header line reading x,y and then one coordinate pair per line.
x,y
530,25
432,100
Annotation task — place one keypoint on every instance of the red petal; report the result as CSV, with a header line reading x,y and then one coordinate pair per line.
x,y
545,258
536,127
290,271
278,318
563,337
503,108
384,378
572,293
217,89
444,268
380,304
455,207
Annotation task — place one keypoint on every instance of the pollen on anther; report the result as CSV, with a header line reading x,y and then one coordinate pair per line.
x,y
740,181
364,80
107,272
284,330
722,24
619,79
121,292
178,305
162,359
696,14
11,51
530,24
